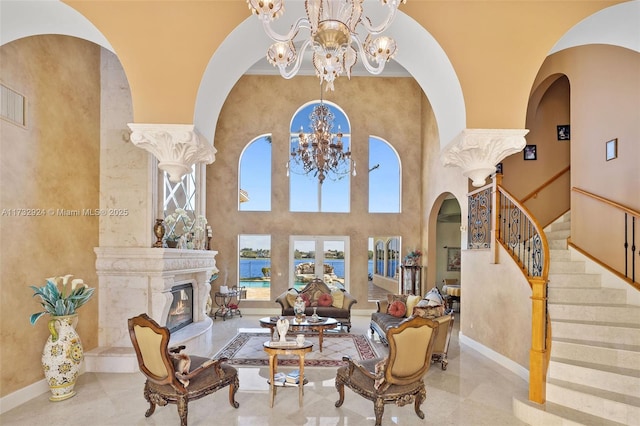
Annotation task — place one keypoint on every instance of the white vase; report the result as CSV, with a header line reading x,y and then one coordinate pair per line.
x,y
62,357
300,339
299,307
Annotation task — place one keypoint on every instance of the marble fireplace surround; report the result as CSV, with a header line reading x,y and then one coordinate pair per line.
x,y
137,280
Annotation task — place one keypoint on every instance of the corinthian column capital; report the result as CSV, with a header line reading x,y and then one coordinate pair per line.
x,y
478,151
176,146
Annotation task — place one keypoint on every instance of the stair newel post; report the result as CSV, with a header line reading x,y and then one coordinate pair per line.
x,y
538,354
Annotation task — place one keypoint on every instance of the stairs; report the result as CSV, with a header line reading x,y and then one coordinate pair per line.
x,y
594,370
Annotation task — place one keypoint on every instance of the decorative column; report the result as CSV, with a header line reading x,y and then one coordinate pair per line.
x,y
478,151
176,146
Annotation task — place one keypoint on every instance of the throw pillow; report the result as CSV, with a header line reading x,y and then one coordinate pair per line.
x,y
428,311
291,297
434,297
338,299
316,296
393,297
325,299
397,309
412,301
305,297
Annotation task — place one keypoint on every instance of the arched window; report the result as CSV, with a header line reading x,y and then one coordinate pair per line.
x,y
379,261
384,177
306,193
254,186
393,257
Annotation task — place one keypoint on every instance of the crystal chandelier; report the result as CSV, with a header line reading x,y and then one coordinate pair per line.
x,y
333,27
321,152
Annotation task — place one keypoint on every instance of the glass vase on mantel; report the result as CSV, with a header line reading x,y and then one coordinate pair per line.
x,y
62,357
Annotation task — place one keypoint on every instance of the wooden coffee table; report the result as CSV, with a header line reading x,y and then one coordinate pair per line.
x,y
303,325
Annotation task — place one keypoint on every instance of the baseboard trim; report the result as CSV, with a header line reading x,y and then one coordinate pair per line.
x,y
23,395
496,357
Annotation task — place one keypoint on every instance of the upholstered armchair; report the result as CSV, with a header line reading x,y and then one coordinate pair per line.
x,y
441,343
174,377
398,378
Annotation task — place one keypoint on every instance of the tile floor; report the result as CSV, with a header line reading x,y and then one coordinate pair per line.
x,y
472,391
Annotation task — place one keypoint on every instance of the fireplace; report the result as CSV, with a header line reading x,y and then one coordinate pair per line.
x,y
133,280
181,311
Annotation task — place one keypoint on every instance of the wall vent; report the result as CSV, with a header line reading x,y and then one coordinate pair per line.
x,y
12,106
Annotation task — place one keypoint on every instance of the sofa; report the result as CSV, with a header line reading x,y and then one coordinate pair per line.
x,y
390,313
329,302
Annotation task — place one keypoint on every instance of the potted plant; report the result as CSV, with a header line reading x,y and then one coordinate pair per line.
x,y
62,356
413,258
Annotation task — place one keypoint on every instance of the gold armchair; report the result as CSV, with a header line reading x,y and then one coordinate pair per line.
x,y
174,378
397,378
441,344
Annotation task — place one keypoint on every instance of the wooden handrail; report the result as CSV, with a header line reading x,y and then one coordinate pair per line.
x,y
482,188
594,259
537,226
627,211
608,202
545,184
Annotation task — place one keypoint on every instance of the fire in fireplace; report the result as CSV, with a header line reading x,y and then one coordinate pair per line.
x,y
181,310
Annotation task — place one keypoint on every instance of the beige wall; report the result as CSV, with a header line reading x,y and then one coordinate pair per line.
x,y
52,164
496,305
521,178
605,100
259,105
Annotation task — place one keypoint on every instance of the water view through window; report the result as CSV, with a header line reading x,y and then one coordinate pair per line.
x,y
254,265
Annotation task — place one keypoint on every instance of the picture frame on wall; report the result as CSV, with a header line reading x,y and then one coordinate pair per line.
x,y
612,149
453,259
564,132
499,168
530,152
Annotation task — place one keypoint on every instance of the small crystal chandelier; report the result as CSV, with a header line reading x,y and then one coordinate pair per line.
x,y
333,26
321,152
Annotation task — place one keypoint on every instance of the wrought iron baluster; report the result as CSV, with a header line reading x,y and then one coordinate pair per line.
x,y
633,248
479,219
626,244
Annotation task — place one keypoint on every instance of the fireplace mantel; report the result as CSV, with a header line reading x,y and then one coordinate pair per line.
x,y
139,280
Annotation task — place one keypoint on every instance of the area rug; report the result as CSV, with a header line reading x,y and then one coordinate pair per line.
x,y
246,348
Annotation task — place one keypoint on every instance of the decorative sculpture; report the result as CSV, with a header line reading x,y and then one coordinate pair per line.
x,y
283,326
